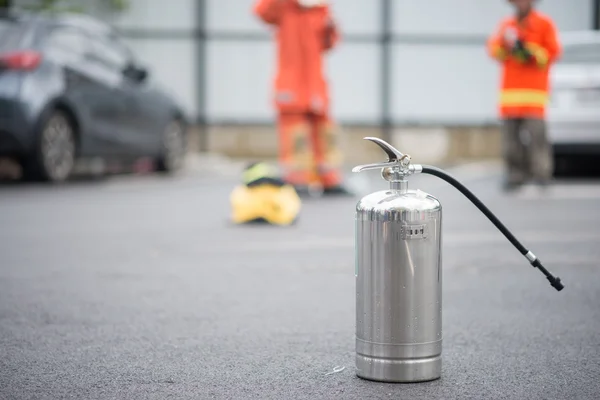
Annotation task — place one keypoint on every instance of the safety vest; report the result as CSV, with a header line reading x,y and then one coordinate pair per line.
x,y
525,81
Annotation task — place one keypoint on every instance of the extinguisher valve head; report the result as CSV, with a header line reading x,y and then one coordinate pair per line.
x,y
396,167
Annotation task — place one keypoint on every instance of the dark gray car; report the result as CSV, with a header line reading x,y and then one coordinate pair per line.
x,y
71,91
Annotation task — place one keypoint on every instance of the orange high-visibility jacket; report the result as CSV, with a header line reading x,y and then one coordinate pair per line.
x,y
524,84
303,36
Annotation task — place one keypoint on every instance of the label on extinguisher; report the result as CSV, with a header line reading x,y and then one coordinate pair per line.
x,y
412,232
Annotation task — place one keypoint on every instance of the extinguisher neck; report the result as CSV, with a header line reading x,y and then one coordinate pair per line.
x,y
399,186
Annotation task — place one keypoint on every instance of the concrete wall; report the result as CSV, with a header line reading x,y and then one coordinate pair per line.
x,y
440,70
441,74
446,82
442,78
441,145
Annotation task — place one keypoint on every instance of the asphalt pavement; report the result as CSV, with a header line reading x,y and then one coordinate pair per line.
x,y
138,287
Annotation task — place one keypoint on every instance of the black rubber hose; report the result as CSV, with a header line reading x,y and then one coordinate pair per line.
x,y
554,281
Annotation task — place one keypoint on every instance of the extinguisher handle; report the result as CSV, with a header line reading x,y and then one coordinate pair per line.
x,y
396,159
555,281
393,154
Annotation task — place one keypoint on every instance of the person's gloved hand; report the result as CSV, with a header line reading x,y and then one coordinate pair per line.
x,y
521,52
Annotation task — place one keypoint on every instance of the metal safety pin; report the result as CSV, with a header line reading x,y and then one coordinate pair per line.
x,y
336,369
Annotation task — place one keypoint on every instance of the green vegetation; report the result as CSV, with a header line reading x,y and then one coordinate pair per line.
x,y
63,5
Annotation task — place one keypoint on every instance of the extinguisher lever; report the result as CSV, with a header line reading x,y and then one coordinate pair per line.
x,y
392,153
396,160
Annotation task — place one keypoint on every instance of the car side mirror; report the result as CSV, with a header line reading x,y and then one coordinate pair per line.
x,y
142,74
136,73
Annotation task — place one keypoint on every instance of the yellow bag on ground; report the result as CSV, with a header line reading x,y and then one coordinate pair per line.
x,y
264,197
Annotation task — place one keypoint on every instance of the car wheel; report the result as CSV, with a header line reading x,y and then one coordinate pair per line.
x,y
173,147
561,165
54,156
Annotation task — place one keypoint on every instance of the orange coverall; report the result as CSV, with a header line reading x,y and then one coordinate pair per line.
x,y
524,86
307,139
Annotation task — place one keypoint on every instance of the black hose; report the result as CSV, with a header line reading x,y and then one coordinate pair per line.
x,y
554,281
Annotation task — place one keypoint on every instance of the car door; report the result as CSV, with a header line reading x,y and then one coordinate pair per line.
x,y
85,87
148,112
129,126
574,110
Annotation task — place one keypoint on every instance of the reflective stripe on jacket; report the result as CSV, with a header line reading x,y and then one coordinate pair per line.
x,y
525,82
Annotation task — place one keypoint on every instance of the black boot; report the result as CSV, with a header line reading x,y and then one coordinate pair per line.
x,y
510,186
338,190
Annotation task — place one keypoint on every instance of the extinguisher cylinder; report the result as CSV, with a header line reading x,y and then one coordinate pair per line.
x,y
398,286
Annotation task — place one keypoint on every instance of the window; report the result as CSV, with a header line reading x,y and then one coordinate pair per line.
x,y
581,54
11,34
67,40
111,52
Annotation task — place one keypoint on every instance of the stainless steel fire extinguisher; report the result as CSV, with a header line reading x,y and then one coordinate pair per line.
x,y
399,273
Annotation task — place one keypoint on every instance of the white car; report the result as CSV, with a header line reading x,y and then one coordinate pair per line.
x,y
574,109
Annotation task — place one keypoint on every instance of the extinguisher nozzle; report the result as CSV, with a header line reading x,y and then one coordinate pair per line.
x,y
554,280
556,283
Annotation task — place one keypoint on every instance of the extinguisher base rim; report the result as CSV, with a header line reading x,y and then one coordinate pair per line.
x,y
398,370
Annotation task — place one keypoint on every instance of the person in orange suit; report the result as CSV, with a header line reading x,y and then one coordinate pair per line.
x,y
526,45
308,148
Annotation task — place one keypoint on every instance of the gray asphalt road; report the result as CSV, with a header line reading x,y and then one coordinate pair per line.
x,y
138,288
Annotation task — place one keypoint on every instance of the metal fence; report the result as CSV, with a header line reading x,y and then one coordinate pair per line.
x,y
385,40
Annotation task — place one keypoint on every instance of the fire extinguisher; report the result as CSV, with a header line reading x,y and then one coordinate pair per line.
x,y
398,240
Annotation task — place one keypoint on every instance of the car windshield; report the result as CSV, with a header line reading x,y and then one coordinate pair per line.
x,y
11,34
581,54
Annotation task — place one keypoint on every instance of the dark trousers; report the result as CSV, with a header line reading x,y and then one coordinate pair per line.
x,y
527,152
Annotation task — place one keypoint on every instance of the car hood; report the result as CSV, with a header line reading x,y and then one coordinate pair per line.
x,y
575,76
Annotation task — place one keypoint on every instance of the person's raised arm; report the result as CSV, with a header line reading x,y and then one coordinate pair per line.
x,y
496,48
332,34
269,10
551,49
548,51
